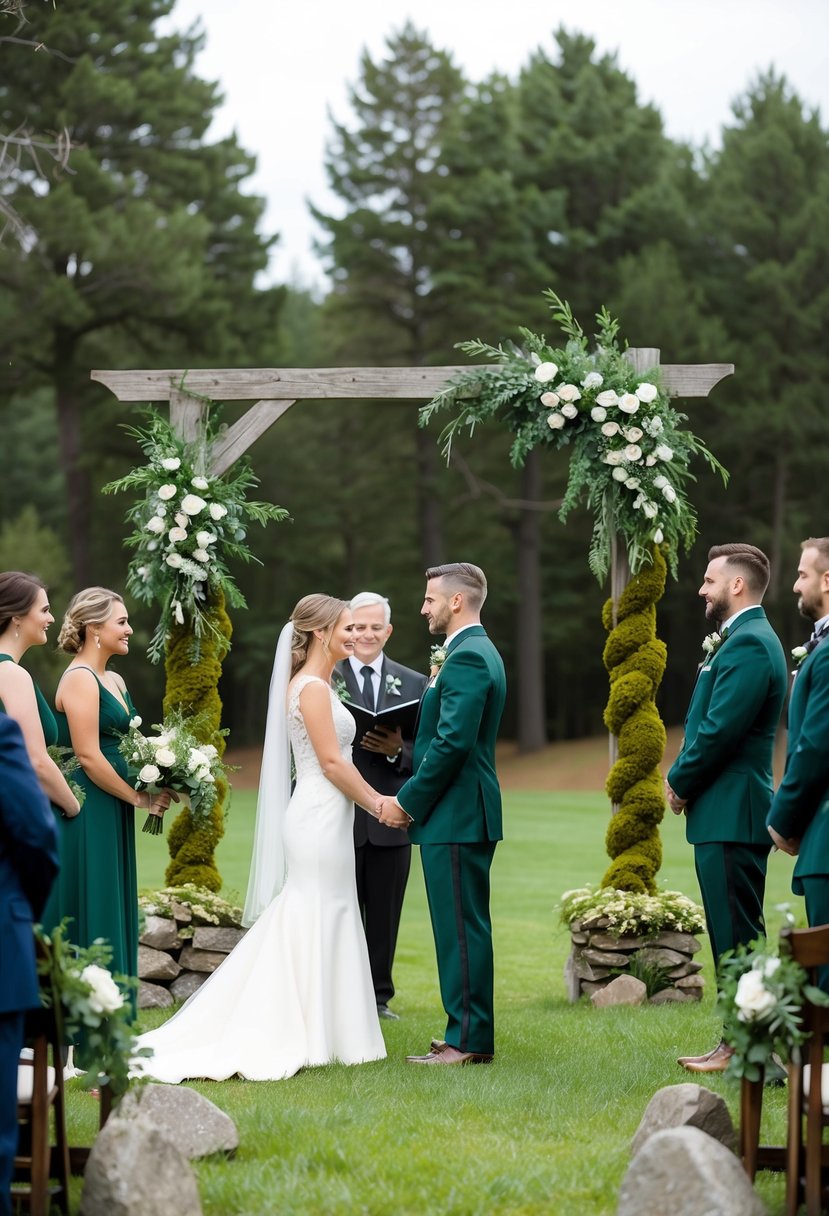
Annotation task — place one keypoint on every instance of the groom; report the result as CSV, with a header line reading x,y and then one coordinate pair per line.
x,y
453,806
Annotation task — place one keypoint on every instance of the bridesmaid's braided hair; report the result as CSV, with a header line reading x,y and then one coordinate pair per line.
x,y
92,606
315,611
18,592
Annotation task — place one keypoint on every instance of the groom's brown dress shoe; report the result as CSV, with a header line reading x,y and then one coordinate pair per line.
x,y
450,1055
714,1061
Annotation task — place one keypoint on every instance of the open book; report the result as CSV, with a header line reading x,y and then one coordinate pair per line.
x,y
403,714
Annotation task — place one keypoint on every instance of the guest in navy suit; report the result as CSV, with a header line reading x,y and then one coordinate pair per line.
x,y
28,865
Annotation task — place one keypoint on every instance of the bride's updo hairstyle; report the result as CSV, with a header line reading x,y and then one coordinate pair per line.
x,y
311,613
90,607
18,592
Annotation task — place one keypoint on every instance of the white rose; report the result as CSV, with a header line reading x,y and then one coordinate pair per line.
x,y
660,481
570,411
182,520
209,750
592,380
650,461
149,774
555,421
614,457
568,392
197,759
203,539
156,525
658,536
167,492
610,429
165,757
650,509
192,504
767,967
633,434
104,994
633,452
608,398
629,403
647,392
545,372
669,493
799,653
171,463
174,560
598,413
135,722
217,511
549,399
632,483
200,483
752,997
177,534
201,555
663,452
619,474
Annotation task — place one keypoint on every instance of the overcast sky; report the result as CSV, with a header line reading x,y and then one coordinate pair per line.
x,y
284,65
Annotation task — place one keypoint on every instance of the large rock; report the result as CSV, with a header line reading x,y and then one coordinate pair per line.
x,y
661,956
605,958
685,943
606,941
186,984
624,990
571,979
684,1172
153,996
217,937
686,1105
200,960
191,1121
676,996
135,1169
156,965
161,933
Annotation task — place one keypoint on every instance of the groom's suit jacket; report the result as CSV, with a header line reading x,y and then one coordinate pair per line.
x,y
724,769
382,776
801,804
454,796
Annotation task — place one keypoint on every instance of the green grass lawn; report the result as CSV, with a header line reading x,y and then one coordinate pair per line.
x,y
546,1128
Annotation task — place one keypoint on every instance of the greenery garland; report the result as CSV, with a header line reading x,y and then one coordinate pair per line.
x,y
635,660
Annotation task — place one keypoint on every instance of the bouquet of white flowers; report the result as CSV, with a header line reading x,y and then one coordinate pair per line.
x,y
173,759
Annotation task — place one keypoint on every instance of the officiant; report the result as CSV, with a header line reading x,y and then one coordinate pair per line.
x,y
383,697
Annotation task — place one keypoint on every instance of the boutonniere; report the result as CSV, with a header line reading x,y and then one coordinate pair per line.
x,y
798,655
711,643
392,685
437,657
341,689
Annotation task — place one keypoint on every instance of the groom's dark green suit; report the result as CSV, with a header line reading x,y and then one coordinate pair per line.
x,y
455,803
724,772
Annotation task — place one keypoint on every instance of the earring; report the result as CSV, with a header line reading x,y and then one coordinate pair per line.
x,y
98,641
16,632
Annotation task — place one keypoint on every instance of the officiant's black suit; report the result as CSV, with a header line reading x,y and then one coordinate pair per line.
x,y
383,855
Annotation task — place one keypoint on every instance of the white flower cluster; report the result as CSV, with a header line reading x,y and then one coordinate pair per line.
x,y
752,998
173,759
177,538
626,912
104,994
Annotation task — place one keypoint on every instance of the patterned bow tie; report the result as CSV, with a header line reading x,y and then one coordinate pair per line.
x,y
816,638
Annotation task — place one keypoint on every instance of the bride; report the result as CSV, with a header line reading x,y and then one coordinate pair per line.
x,y
297,989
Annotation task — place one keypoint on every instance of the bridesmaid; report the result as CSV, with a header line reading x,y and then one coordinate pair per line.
x,y
24,621
98,883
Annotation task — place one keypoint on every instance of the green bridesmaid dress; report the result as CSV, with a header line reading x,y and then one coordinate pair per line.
x,y
98,885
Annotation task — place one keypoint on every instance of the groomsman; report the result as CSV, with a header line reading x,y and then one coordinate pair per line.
x,y
799,817
28,865
722,778
453,802
384,757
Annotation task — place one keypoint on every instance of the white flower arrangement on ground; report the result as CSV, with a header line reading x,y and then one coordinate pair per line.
x,y
631,453
205,907
761,1000
186,528
627,913
173,759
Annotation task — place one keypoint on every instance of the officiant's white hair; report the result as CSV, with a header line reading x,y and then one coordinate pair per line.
x,y
370,599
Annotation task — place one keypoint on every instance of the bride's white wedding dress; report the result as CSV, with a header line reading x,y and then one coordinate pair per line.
x,y
296,991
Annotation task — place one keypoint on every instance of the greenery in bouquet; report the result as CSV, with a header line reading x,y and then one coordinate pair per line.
x,y
174,759
91,1008
68,763
632,913
204,907
186,528
631,453
761,996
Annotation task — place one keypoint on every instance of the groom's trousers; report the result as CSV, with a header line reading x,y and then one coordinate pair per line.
x,y
457,888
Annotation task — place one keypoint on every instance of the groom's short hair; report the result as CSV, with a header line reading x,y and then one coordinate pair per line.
x,y
747,560
464,577
370,599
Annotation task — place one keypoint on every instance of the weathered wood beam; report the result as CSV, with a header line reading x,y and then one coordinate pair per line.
x,y
236,440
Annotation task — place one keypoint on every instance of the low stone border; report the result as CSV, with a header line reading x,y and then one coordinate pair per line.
x,y
171,969
597,957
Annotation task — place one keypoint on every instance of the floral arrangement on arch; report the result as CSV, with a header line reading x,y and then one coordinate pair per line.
x,y
631,452
186,528
761,999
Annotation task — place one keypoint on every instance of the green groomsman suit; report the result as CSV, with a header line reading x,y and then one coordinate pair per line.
x,y
724,772
455,803
801,805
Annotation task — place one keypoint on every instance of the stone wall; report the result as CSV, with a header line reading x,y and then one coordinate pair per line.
x,y
171,967
597,957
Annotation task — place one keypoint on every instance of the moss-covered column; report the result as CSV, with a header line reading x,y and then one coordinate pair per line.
x,y
192,688
635,661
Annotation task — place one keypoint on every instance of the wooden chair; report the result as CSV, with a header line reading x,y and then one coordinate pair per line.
x,y
41,1170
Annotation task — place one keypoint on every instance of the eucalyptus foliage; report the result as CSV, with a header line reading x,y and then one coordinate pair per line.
x,y
631,453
